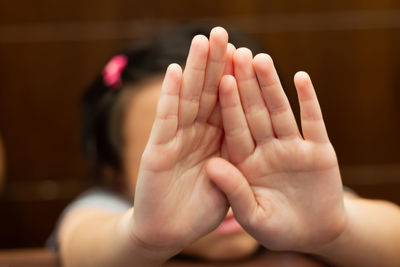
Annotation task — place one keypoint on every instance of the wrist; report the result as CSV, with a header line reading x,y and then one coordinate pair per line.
x,y
149,254
335,247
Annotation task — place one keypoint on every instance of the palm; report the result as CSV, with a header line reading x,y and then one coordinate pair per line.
x,y
287,180
285,189
291,157
173,192
181,193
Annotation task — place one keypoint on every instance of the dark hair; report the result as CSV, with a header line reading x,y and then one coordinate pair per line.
x,y
145,59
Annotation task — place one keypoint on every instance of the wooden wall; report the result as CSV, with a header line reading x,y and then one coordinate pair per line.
x,y
50,50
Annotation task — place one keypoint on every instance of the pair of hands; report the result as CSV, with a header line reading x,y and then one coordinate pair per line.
x,y
225,135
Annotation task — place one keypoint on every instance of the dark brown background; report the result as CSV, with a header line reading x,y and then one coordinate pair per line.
x,y
50,50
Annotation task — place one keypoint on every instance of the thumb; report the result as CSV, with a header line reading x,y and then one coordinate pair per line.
x,y
235,186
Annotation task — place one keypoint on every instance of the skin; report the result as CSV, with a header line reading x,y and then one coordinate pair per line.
x,y
171,168
141,111
186,132
285,187
280,166
246,152
173,194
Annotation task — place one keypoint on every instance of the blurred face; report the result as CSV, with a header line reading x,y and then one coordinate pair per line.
x,y
229,241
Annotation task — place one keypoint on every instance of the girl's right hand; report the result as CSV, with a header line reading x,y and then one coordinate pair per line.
x,y
175,202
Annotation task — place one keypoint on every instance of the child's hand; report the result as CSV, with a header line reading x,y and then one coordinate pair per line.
x,y
175,202
284,189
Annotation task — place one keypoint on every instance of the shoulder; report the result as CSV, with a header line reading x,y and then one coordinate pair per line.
x,y
98,198
101,198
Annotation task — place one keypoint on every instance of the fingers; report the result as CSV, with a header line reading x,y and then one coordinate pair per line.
x,y
224,150
253,103
282,118
237,134
313,125
193,80
215,118
234,185
229,59
215,67
166,122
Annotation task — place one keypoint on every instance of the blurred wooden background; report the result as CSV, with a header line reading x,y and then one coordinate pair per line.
x,y
50,50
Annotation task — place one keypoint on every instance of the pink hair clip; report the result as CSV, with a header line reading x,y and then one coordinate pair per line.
x,y
112,71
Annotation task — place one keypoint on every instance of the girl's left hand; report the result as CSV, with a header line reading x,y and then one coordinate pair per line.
x,y
284,188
